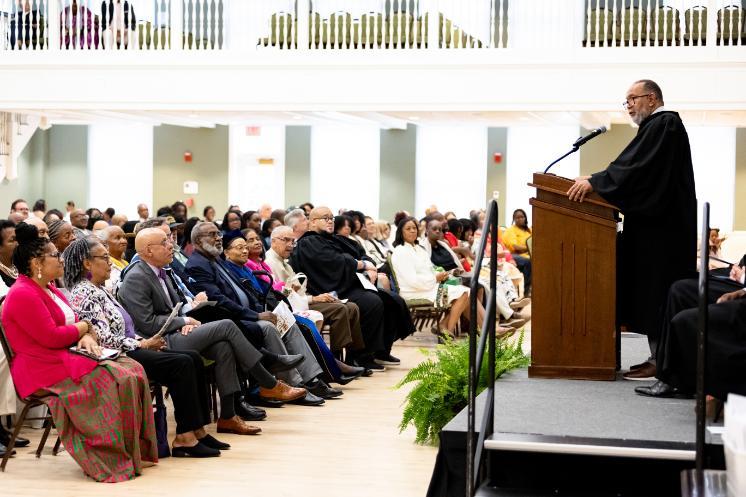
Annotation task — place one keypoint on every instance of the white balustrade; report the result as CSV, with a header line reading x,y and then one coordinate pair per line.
x,y
331,25
663,23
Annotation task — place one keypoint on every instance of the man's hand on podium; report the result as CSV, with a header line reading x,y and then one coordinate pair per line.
x,y
580,189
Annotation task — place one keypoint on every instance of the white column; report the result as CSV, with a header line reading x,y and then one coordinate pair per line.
x,y
450,168
238,16
176,21
714,160
120,167
530,149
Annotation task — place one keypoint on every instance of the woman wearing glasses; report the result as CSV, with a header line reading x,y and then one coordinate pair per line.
x,y
102,410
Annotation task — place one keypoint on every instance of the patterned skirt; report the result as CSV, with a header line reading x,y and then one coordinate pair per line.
x,y
106,420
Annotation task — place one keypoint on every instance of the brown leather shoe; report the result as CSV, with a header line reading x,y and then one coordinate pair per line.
x,y
282,392
238,426
646,372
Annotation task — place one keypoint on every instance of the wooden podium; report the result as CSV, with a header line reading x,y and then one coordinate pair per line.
x,y
573,328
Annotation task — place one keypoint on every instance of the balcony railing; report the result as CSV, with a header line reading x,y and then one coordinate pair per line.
x,y
365,25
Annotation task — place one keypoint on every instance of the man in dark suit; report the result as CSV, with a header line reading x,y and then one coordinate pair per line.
x,y
208,274
149,296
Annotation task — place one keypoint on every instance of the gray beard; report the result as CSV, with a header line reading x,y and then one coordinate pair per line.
x,y
211,250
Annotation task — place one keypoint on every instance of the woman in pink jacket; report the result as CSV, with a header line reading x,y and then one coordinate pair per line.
x,y
102,410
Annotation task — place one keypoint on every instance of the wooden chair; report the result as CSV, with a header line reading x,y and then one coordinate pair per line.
x,y
30,402
530,245
424,312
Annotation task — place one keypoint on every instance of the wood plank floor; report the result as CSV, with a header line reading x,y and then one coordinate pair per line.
x,y
349,447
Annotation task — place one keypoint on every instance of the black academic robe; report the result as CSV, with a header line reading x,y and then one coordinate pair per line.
x,y
652,183
326,262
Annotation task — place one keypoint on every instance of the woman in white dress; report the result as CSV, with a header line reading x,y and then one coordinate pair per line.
x,y
418,279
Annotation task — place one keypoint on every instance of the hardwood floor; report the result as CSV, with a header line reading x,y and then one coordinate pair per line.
x,y
349,447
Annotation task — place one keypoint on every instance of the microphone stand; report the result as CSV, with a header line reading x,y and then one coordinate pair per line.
x,y
574,149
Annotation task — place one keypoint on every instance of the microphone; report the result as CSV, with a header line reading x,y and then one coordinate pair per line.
x,y
590,136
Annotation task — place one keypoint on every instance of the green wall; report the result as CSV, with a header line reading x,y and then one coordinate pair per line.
x,y
599,152
397,171
497,142
209,166
66,174
297,164
739,216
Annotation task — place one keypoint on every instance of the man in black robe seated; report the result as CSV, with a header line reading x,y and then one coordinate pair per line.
x,y
726,355
652,183
331,269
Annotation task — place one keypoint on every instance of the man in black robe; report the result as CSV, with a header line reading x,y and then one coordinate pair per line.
x,y
652,183
726,354
330,268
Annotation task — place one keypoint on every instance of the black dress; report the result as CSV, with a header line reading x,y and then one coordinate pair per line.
x,y
652,183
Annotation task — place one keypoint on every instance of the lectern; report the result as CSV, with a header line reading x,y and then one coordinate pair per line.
x,y
573,322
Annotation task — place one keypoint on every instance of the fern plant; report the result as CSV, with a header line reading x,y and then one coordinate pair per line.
x,y
443,384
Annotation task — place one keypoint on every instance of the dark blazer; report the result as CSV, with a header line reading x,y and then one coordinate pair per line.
x,y
204,277
142,295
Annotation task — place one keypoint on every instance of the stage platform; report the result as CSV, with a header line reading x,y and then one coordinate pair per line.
x,y
558,426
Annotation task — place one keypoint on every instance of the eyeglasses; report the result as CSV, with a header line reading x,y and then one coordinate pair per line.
x,y
325,218
240,247
102,257
286,239
56,255
631,100
163,243
213,234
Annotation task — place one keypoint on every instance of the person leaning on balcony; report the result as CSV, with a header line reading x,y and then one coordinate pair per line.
x,y
117,20
87,267
77,34
106,404
652,183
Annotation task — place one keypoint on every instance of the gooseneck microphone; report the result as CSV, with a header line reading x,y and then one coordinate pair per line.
x,y
590,136
578,143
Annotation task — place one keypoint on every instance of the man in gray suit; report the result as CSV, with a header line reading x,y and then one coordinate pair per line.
x,y
149,295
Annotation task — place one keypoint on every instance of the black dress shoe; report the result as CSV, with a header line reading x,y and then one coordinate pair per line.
x,y
5,439
247,412
661,390
309,400
284,362
345,379
386,358
199,450
321,389
213,442
257,401
3,449
370,364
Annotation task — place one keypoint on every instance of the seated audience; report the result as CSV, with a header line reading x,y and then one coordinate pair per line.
x,y
20,207
118,220
116,243
40,208
343,318
251,220
82,388
185,246
209,214
297,221
418,278
53,215
8,272
439,251
676,359
87,268
453,231
211,275
331,268
149,295
307,207
79,221
266,232
179,211
255,261
143,212
514,238
381,235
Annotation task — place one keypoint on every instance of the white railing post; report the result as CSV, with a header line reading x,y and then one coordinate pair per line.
x,y
433,24
303,10
53,24
176,22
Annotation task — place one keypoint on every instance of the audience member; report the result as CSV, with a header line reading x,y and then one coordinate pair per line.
x,y
40,208
381,235
116,243
8,243
98,225
231,221
79,222
20,207
439,251
179,211
87,267
83,388
209,214
108,214
266,232
41,226
307,207
53,215
251,220
118,220
186,247
265,212
61,234
210,274
143,212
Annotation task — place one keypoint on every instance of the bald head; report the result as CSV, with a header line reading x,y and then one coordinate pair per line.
x,y
99,225
321,220
154,247
41,226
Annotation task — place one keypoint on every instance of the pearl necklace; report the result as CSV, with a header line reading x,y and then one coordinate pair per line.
x,y
10,271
